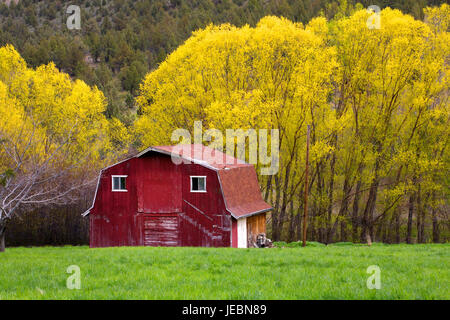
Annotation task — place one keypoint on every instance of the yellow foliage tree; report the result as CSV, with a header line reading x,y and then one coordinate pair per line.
x,y
53,136
376,100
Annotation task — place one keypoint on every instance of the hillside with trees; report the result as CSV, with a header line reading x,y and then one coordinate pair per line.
x,y
120,41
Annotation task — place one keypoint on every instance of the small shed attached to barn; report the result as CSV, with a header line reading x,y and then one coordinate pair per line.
x,y
209,199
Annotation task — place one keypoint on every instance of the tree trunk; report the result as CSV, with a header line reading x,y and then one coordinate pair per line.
x,y
419,226
420,221
368,237
276,213
342,214
291,234
410,217
397,225
355,209
435,226
330,197
385,238
319,206
298,223
390,232
312,230
275,234
380,228
343,231
355,213
367,226
2,239
268,188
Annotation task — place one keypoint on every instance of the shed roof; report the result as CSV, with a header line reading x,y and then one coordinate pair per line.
x,y
241,192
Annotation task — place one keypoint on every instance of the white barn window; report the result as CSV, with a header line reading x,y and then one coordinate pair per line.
x,y
119,183
198,183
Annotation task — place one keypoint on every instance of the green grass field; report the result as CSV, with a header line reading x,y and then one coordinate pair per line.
x,y
315,272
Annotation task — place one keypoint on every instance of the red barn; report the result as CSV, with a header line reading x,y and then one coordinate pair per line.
x,y
209,199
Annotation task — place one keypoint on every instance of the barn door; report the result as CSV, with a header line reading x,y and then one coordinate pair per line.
x,y
161,230
255,225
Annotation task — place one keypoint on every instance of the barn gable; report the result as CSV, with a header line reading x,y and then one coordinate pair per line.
x,y
238,179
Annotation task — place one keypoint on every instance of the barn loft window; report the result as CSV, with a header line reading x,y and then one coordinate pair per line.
x,y
198,183
119,183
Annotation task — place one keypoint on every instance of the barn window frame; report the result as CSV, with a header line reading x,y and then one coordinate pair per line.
x,y
198,191
120,189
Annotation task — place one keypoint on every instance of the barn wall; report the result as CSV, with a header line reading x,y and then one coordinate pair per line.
x,y
161,230
234,233
156,186
242,233
112,219
205,221
245,230
159,184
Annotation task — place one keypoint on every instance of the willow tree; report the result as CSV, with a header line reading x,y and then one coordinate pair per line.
x,y
273,76
53,135
393,83
376,100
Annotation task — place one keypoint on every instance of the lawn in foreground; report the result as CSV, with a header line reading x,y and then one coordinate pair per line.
x,y
314,272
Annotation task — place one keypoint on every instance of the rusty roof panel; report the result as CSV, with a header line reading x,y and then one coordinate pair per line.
x,y
241,192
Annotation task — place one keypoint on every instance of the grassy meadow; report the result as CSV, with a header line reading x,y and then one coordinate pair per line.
x,y
316,272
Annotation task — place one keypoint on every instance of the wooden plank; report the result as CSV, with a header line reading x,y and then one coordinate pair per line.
x,y
255,225
162,231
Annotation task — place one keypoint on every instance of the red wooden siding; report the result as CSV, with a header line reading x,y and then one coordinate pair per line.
x,y
205,221
159,184
112,221
161,230
156,186
159,209
234,234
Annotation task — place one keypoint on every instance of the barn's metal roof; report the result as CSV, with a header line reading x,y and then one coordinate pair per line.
x,y
238,180
241,192
199,154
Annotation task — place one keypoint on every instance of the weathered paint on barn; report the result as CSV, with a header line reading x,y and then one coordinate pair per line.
x,y
159,209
